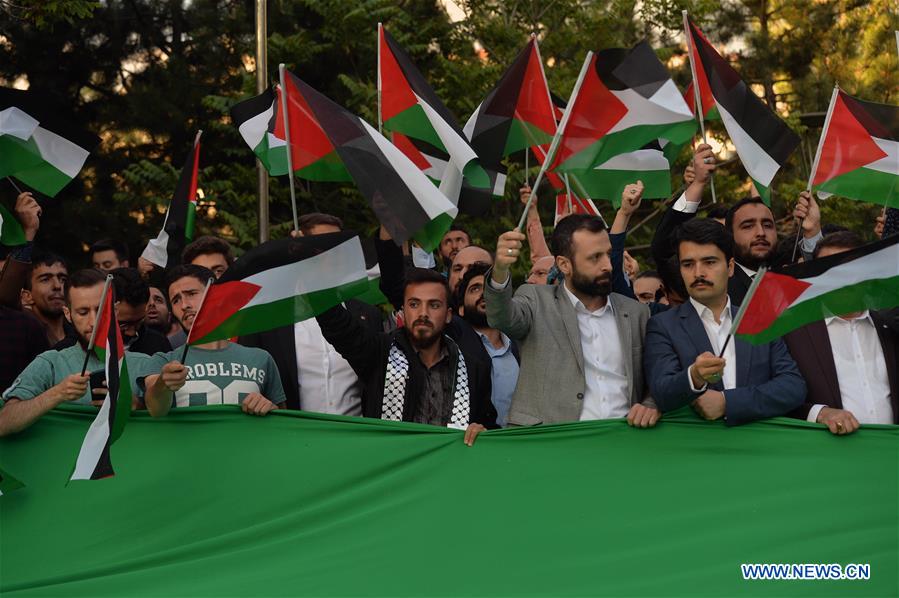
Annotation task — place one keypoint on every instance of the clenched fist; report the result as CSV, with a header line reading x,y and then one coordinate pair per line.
x,y
173,375
508,248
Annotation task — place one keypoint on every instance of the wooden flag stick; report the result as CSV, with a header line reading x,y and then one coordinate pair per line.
x,y
697,101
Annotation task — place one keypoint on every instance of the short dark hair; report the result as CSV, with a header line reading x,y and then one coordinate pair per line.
x,y
561,240
731,212
207,245
704,231
476,269
43,257
669,273
844,239
648,274
459,228
84,278
718,211
130,287
120,249
425,275
306,222
201,273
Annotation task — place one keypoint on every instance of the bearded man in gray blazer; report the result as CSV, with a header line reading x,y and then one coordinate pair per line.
x,y
581,345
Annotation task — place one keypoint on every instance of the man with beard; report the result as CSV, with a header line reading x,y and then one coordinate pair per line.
x,y
159,318
497,347
54,377
683,349
580,343
45,292
415,373
465,259
455,239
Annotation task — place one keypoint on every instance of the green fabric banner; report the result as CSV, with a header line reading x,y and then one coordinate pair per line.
x,y
212,502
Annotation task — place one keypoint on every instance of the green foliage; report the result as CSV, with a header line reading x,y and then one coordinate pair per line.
x,y
146,75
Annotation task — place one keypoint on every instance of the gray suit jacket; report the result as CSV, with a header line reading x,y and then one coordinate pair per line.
x,y
551,383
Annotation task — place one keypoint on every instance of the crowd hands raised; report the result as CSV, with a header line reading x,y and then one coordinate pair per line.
x,y
588,336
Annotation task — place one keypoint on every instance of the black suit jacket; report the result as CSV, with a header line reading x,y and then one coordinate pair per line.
x,y
810,347
281,344
663,249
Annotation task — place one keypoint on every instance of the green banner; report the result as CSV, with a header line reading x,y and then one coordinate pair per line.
x,y
212,502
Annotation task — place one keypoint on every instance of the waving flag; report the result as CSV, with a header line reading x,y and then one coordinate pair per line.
x,y
763,141
855,280
858,156
11,231
178,227
279,283
255,118
94,460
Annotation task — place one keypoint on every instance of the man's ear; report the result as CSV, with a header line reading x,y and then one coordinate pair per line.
x,y
730,267
449,314
564,265
67,313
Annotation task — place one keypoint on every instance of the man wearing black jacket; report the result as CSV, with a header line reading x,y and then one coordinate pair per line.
x,y
415,373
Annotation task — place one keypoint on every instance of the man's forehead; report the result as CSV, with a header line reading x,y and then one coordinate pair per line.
x,y
91,294
697,251
425,291
585,239
475,280
188,283
57,268
470,255
753,211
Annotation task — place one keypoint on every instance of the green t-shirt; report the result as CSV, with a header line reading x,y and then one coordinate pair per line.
x,y
51,367
222,376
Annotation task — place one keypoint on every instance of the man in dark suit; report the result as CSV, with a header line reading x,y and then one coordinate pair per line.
x,y
849,361
747,382
314,375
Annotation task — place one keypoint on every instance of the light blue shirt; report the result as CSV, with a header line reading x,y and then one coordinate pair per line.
x,y
503,376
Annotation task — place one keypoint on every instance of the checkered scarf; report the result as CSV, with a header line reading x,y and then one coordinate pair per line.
x,y
395,390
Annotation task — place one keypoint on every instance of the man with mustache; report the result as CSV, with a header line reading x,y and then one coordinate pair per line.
x,y
683,344
580,343
54,377
215,373
415,373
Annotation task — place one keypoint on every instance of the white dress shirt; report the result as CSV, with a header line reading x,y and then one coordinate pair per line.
x,y
327,382
606,396
717,334
861,370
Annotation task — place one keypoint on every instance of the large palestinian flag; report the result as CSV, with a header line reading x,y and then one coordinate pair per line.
x,y
648,164
8,483
858,156
255,118
279,283
93,461
38,145
178,226
763,141
626,100
408,105
855,280
328,143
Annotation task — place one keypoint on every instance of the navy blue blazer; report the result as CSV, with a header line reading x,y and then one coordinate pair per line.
x,y
768,381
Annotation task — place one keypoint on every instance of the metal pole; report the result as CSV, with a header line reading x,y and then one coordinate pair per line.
x,y
261,86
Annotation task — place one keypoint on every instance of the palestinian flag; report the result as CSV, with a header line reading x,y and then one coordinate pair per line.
x,y
255,118
408,105
328,143
11,231
710,109
626,100
649,164
8,483
93,461
855,280
763,141
373,296
178,227
578,206
431,162
37,145
279,283
858,156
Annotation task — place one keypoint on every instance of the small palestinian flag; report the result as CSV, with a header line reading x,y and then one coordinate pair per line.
x,y
852,281
8,483
37,145
626,100
649,165
408,105
763,141
858,156
11,231
328,143
178,227
708,102
94,461
279,283
255,118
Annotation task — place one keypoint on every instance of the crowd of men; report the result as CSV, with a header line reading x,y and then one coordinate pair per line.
x,y
588,336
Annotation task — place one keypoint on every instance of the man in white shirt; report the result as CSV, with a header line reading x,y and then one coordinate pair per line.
x,y
580,343
849,362
683,348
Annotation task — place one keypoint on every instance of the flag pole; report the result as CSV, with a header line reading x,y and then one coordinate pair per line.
x,y
550,155
202,301
93,341
293,193
742,311
13,183
261,85
380,113
816,162
697,96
